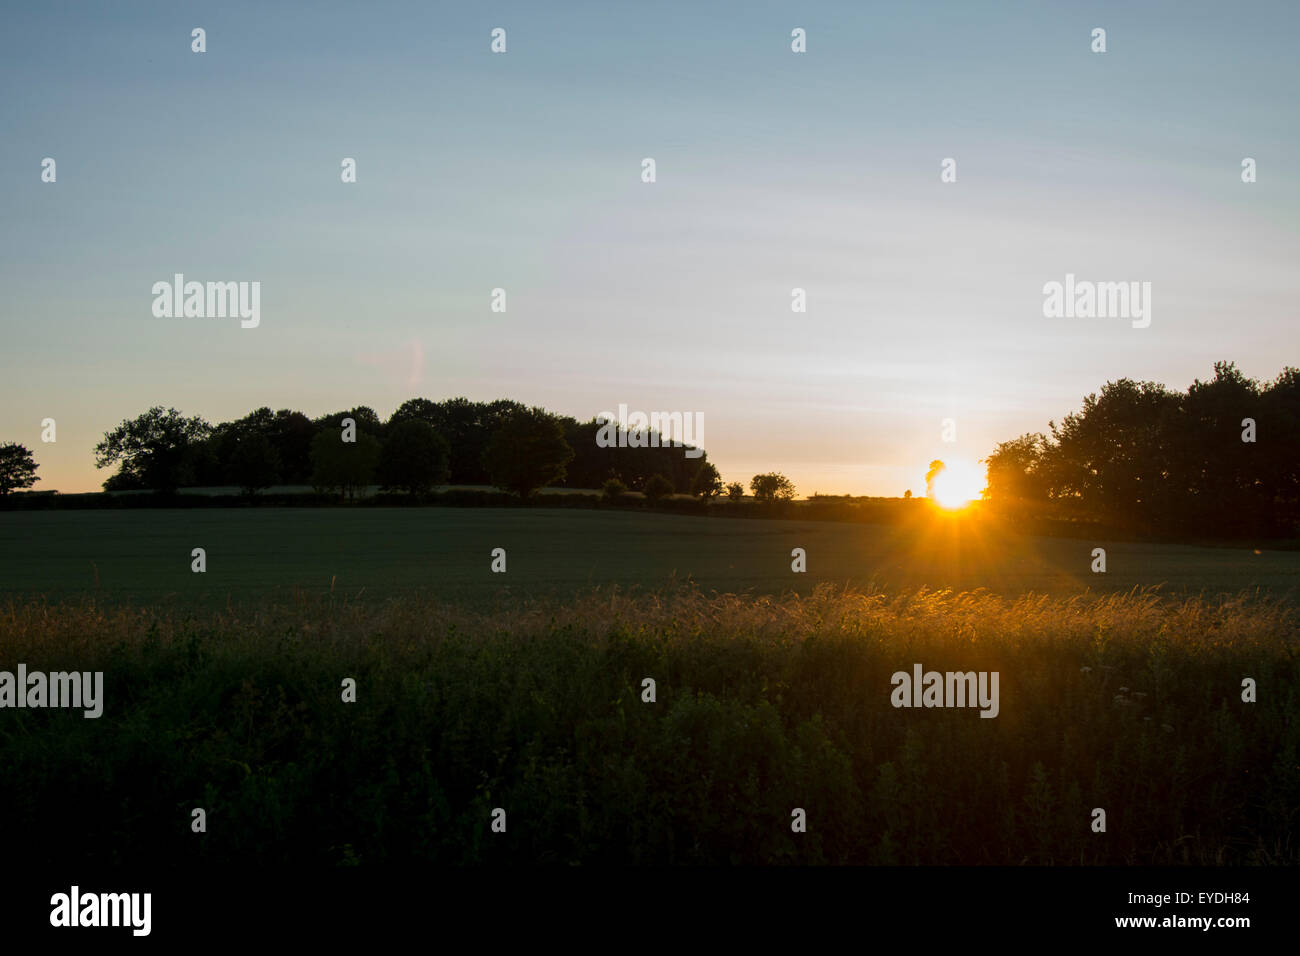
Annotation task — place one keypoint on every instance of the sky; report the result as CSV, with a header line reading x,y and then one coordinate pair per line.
x,y
522,170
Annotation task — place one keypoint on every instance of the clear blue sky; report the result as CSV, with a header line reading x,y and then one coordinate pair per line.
x,y
522,171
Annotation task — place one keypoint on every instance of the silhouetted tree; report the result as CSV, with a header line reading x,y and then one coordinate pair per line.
x,y
931,473
656,487
1222,484
291,433
344,467
17,468
254,463
215,461
467,428
1144,456
1113,455
364,416
527,452
414,457
155,450
771,487
1276,440
417,409
1015,470
707,482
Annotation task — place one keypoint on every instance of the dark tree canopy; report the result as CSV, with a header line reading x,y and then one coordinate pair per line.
x,y
363,416
291,433
527,452
1015,469
1218,459
593,464
707,483
658,486
17,468
254,463
772,486
345,468
414,457
467,428
153,455
157,450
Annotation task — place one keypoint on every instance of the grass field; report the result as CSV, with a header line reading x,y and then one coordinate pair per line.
x,y
1126,703
144,555
524,691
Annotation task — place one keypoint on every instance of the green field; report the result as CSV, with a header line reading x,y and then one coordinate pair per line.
x,y
1129,703
478,691
144,555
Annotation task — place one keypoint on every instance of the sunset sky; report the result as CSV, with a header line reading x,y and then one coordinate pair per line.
x,y
775,170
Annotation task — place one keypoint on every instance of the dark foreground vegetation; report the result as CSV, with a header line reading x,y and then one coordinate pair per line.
x,y
1127,703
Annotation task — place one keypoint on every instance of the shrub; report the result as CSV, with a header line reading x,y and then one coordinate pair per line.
x,y
613,489
656,487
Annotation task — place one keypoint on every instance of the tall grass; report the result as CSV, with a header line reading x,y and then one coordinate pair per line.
x,y
1130,703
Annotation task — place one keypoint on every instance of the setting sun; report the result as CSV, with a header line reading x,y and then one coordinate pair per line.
x,y
957,484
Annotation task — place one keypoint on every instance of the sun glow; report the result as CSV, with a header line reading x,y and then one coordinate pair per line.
x,y
958,484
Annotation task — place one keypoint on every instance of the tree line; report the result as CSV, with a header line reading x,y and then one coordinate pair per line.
x,y
1222,458
423,444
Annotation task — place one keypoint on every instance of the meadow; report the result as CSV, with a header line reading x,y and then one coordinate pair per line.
x,y
143,556
1128,703
525,691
